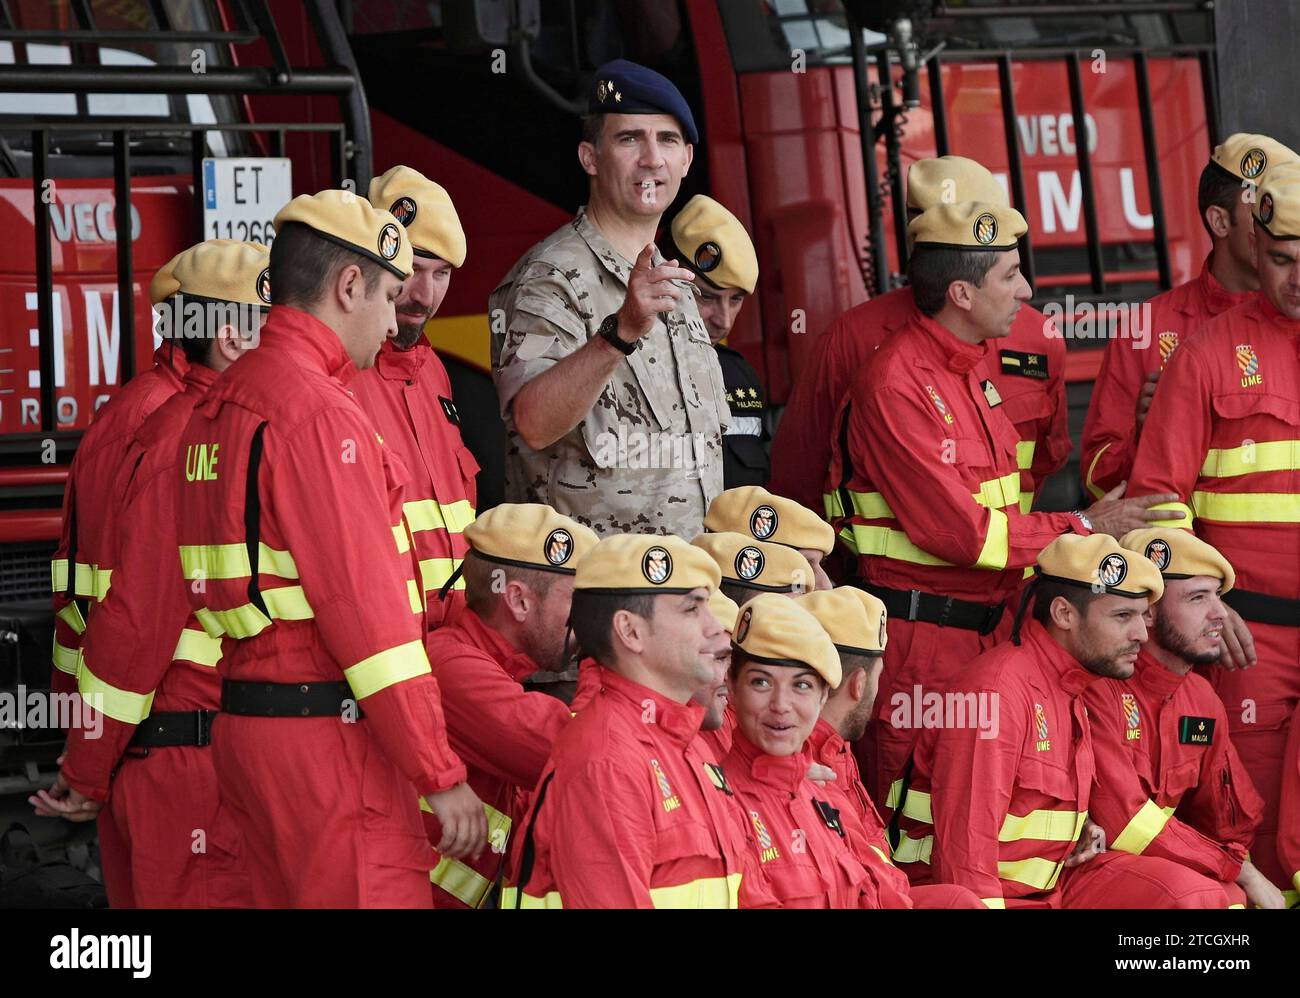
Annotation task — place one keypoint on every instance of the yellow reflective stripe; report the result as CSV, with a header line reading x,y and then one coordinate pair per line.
x,y
994,902
1292,898
887,543
415,596
429,514
462,882
230,561
880,853
894,794
833,505
551,900
65,659
399,535
871,506
1025,454
434,573
71,615
917,806
1244,507
284,603
198,647
1096,490
58,574
1141,830
707,892
1048,826
1168,811
1034,872
1270,455
387,668
998,493
1027,506
90,582
912,850
997,542
1177,507
850,542
121,705
103,579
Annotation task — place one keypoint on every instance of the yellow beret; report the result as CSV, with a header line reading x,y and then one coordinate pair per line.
x,y
350,221
425,209
777,630
753,510
854,619
763,567
1277,209
968,225
530,535
1250,157
1098,562
1180,554
221,269
724,608
950,179
715,244
645,563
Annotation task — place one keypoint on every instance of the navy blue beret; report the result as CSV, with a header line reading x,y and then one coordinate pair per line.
x,y
622,87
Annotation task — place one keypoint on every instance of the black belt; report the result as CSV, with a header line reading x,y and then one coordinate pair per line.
x,y
1263,608
912,604
254,699
172,728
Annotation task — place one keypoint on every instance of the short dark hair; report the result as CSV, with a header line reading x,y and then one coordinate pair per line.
x,y
480,581
931,269
738,594
1045,591
304,264
1219,188
197,343
593,126
592,619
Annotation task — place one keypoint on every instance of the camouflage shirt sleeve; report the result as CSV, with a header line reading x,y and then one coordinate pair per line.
x,y
544,323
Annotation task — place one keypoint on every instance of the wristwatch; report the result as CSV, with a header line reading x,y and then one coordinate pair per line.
x,y
1084,520
608,332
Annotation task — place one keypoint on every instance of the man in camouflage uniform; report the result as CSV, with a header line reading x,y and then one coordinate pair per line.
x,y
611,392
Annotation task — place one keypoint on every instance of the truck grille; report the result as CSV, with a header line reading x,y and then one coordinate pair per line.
x,y
25,570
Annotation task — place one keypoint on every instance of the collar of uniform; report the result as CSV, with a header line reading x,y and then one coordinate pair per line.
x,y
609,257
515,662
679,721
401,365
1217,298
783,772
1154,677
824,742
960,356
171,360
1055,660
308,339
199,377
897,319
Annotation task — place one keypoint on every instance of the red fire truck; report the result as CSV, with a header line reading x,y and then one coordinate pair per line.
x,y
1098,123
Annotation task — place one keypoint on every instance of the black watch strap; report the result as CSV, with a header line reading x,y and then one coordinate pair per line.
x,y
608,332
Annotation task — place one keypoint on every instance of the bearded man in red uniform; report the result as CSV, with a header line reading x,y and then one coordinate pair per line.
x,y
292,536
1169,783
929,475
519,586
407,394
145,661
1222,435
1027,369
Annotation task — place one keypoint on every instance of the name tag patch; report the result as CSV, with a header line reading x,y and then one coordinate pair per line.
x,y
1195,730
1024,365
449,410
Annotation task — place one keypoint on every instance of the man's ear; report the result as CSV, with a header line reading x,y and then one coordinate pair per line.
x,y
349,287
959,295
629,630
587,157
690,158
1063,613
1219,220
229,344
519,600
858,685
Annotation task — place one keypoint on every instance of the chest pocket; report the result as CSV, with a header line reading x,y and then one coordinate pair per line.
x,y
796,881
1046,778
1028,410
1282,412
469,469
1180,779
705,358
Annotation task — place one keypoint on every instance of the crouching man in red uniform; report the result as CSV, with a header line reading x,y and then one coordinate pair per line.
x,y
1169,783
292,538
631,812
145,662
999,808
519,584
407,394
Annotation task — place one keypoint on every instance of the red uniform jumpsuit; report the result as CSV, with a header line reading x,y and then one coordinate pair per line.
x,y
631,814
933,490
1169,783
1224,435
800,840
503,734
1028,368
408,397
290,518
144,655
81,571
1001,814
1110,429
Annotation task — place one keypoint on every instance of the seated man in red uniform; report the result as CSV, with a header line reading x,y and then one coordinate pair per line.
x,y
630,812
1169,783
756,512
145,661
1000,810
519,583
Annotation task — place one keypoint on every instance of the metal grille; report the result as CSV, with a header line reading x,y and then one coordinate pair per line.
x,y
25,570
